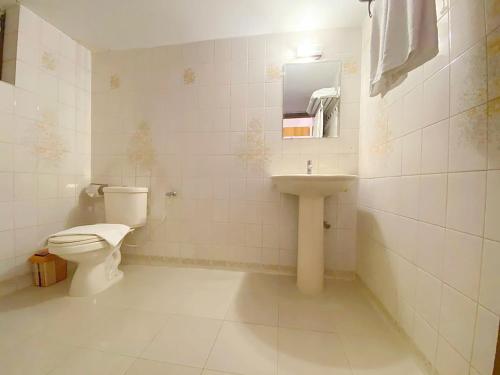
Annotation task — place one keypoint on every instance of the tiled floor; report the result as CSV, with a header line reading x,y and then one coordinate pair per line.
x,y
186,321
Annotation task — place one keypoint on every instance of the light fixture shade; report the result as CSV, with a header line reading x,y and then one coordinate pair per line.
x,y
309,51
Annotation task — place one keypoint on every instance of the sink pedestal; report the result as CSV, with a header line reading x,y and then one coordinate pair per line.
x,y
312,190
310,261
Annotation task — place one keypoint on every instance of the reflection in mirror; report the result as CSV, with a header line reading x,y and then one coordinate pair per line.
x,y
311,99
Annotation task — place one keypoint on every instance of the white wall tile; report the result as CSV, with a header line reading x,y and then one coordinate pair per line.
x,y
273,95
432,198
412,113
6,187
6,216
6,97
466,195
408,202
7,240
492,17
25,185
25,214
26,104
485,340
256,71
468,140
435,148
29,23
6,157
7,127
443,57
239,49
412,149
458,314
257,47
467,25
396,119
239,71
490,278
25,159
468,79
431,245
462,262
222,50
436,93
492,220
449,361
428,301
425,338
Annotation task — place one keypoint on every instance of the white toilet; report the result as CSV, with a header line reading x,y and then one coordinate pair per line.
x,y
97,261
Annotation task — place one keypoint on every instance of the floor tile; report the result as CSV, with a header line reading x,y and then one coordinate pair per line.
x,y
251,308
361,321
36,355
87,361
255,300
80,326
145,367
189,291
126,331
381,355
304,314
25,313
245,349
184,340
312,353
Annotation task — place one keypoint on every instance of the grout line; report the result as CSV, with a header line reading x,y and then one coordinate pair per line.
x,y
213,344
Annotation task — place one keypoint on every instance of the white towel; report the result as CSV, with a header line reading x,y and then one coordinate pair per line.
x,y
326,92
111,233
404,36
325,96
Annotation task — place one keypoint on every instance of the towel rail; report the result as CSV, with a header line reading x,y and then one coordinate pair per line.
x,y
369,6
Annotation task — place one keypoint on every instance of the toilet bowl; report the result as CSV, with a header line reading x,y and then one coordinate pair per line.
x,y
97,262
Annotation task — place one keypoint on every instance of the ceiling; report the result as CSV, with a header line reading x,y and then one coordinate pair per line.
x,y
122,24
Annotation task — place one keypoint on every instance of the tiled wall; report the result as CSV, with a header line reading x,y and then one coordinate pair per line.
x,y
429,194
204,119
44,143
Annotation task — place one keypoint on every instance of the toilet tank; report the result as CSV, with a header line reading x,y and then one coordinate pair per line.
x,y
126,205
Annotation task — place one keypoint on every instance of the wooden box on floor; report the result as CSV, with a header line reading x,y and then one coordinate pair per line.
x,y
48,269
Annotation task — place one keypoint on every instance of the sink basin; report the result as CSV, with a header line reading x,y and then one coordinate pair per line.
x,y
312,190
313,184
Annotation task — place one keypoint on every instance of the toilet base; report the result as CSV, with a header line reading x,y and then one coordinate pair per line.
x,y
94,277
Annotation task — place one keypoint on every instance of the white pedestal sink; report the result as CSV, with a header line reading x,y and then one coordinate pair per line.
x,y
312,190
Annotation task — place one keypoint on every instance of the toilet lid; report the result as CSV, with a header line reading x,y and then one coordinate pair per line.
x,y
75,239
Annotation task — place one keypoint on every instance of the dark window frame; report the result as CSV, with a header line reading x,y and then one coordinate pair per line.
x,y
2,37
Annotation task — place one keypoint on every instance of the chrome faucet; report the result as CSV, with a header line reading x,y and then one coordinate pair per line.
x,y
309,167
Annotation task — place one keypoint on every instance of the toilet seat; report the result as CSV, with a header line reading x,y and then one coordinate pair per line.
x,y
75,244
76,238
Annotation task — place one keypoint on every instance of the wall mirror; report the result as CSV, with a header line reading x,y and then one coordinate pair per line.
x,y
311,99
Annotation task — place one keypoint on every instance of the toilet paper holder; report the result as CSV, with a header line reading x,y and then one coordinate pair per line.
x,y
95,190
